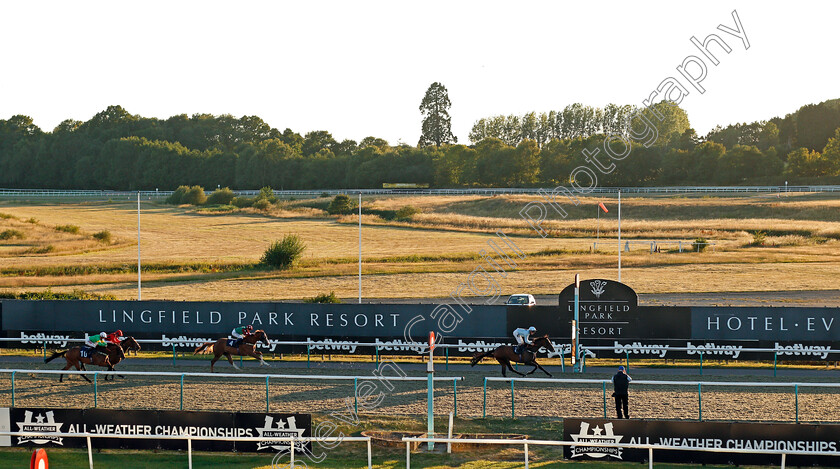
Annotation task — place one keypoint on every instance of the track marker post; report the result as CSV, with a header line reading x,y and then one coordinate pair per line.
x,y
430,388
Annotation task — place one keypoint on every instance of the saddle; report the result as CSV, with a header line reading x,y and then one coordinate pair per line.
x,y
233,343
87,351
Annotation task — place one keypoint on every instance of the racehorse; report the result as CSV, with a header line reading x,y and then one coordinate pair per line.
x,y
246,348
95,357
505,354
115,354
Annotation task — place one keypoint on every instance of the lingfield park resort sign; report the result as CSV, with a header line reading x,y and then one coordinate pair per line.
x,y
610,316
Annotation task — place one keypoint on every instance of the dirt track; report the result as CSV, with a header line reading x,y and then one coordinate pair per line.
x,y
555,400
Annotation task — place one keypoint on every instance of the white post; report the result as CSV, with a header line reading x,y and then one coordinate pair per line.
x,y
90,453
370,455
189,452
526,455
619,235
650,457
407,455
292,452
360,248
139,290
449,435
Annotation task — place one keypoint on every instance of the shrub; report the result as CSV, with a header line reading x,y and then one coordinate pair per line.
x,y
103,236
194,196
48,294
68,228
242,202
324,195
175,197
266,193
759,238
6,216
323,298
341,205
32,220
262,204
221,196
699,245
284,253
41,250
405,213
12,234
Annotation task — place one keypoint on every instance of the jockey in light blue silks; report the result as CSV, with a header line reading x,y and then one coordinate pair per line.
x,y
523,338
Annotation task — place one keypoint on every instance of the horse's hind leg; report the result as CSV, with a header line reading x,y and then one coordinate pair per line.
x,y
213,362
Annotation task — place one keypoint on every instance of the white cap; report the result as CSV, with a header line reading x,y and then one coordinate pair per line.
x,y
532,329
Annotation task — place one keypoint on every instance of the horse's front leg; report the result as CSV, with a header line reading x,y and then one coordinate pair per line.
x,y
259,356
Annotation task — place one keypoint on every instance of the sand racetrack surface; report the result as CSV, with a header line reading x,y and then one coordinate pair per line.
x,y
555,400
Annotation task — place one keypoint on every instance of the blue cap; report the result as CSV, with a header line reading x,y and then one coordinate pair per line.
x,y
621,368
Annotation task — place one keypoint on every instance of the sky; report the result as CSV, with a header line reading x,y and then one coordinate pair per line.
x,y
361,68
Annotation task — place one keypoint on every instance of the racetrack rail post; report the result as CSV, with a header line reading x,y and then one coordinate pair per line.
x,y
455,396
604,388
182,392
484,405
796,400
700,401
95,391
512,400
13,389
701,363
266,394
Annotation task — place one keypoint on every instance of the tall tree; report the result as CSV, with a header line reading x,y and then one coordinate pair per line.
x,y
437,125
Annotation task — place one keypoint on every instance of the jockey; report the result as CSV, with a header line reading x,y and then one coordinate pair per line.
x,y
240,333
522,337
114,337
94,342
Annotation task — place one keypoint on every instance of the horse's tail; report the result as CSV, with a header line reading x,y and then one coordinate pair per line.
x,y
204,346
54,356
479,356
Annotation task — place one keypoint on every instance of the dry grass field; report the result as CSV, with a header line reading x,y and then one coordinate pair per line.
x,y
191,254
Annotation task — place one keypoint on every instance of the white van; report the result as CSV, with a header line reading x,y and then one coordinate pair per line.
x,y
523,299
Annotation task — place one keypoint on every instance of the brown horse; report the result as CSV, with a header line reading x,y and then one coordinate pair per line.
x,y
505,354
95,357
246,348
116,353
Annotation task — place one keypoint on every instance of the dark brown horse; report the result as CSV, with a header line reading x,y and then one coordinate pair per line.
x,y
246,348
505,354
116,353
96,357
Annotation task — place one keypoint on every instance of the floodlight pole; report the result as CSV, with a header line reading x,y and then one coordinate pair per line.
x,y
139,290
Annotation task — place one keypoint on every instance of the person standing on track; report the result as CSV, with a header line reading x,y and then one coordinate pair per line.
x,y
240,333
621,383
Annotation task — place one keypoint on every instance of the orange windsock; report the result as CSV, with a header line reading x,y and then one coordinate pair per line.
x,y
603,207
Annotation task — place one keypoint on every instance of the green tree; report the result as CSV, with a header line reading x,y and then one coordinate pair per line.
x,y
437,125
831,152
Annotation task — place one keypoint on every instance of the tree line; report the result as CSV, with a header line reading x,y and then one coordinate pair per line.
x,y
122,151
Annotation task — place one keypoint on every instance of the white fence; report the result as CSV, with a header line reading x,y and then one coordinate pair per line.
x,y
526,443
189,439
698,384
266,377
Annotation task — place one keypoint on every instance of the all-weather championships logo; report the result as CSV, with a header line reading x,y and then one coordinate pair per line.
x,y
598,287
39,425
598,435
277,434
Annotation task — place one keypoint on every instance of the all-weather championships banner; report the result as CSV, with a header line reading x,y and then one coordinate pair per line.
x,y
782,437
609,313
219,426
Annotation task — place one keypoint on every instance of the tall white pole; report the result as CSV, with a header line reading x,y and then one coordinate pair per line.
x,y
360,248
619,235
139,290
598,236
